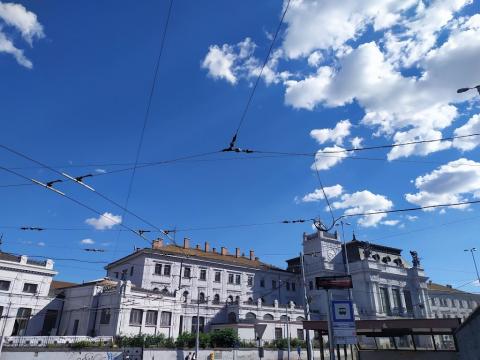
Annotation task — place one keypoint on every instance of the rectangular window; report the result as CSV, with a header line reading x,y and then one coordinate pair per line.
x,y
287,286
4,285
237,279
385,301
218,276
230,278
152,316
75,327
124,274
300,334
167,269
460,304
131,271
250,281
293,286
105,317
21,321
397,304
310,285
116,274
1,310
166,318
274,284
278,333
136,316
262,283
187,272
158,269
30,288
201,324
203,274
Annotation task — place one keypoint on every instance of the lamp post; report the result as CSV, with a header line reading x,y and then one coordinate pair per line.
x,y
465,89
474,261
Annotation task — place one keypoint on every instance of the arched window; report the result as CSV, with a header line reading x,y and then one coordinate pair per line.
x,y
263,300
230,299
250,316
201,297
164,291
185,296
155,289
250,300
232,318
299,318
268,317
216,299
283,318
237,299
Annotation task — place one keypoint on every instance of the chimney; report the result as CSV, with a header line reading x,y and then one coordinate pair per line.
x,y
449,286
197,247
157,244
252,255
214,250
207,246
186,243
237,252
224,250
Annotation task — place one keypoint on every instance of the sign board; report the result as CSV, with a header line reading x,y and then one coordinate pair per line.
x,y
260,329
343,322
334,282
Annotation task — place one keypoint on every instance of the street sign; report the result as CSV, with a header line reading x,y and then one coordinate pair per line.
x,y
334,282
343,322
260,329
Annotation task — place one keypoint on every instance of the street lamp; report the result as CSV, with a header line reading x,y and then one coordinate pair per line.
x,y
474,261
462,90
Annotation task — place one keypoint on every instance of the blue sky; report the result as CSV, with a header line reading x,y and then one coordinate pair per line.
x,y
74,92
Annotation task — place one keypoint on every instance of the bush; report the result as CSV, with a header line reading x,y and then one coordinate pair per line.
x,y
226,338
185,340
142,340
81,344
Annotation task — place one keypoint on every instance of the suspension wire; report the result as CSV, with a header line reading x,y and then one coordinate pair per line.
x,y
76,202
323,189
232,145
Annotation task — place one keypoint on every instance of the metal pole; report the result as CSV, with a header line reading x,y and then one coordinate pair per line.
x,y
331,347
306,309
347,265
475,263
197,338
288,332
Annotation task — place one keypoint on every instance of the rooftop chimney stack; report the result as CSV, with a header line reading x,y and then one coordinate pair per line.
x,y
197,247
252,255
214,250
237,252
157,244
186,243
207,246
224,251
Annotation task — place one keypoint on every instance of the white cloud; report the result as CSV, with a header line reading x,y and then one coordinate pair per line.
x,y
412,218
315,58
450,183
219,63
87,242
106,221
326,161
364,202
390,222
356,142
41,243
471,127
22,20
329,24
25,21
317,195
336,135
100,171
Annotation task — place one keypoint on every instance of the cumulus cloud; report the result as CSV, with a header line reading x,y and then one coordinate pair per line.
x,y
16,16
356,142
106,221
87,242
41,243
325,161
317,195
336,135
471,127
390,222
219,62
364,202
456,181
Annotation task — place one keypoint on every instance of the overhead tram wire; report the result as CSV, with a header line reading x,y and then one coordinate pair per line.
x,y
88,187
75,201
233,146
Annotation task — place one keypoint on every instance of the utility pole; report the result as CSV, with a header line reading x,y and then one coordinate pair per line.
x,y
306,309
331,346
474,262
197,337
288,332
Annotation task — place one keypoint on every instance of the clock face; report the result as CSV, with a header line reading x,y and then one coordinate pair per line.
x,y
330,254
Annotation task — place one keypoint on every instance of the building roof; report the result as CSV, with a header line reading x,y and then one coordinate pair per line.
x,y
176,250
61,284
445,288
